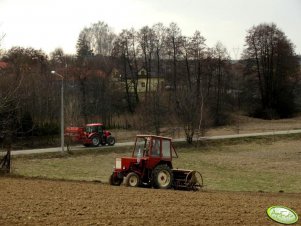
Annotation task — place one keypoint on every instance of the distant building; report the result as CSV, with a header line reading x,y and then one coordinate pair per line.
x,y
4,67
151,80
145,81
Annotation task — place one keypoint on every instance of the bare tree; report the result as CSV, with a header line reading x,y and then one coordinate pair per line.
x,y
58,56
68,66
155,109
1,38
8,128
190,100
195,52
159,45
271,60
221,82
125,51
100,38
84,56
31,66
24,95
146,38
9,104
174,43
188,112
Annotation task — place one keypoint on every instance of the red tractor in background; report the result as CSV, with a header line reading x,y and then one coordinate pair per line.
x,y
93,134
151,165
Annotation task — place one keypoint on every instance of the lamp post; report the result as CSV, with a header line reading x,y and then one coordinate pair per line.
x,y
62,108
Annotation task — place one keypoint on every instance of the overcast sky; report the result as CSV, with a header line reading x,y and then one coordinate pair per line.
x,y
49,24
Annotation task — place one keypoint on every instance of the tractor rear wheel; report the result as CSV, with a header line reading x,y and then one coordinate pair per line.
x,y
162,177
132,180
111,141
95,141
115,180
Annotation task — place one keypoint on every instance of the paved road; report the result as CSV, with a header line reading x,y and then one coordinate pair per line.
x,y
80,147
59,149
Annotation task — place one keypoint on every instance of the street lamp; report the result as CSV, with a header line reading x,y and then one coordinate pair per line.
x,y
62,108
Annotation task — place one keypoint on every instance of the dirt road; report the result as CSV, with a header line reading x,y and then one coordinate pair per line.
x,y
46,202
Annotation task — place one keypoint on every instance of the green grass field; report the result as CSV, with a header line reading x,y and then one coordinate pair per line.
x,y
271,164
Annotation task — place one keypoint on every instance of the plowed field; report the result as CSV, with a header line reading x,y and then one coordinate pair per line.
x,y
48,202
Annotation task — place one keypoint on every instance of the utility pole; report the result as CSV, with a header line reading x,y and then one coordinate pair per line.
x,y
62,109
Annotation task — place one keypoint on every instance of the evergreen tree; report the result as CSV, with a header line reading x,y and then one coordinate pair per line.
x,y
83,50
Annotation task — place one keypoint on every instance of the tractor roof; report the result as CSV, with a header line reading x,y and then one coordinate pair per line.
x,y
94,124
155,136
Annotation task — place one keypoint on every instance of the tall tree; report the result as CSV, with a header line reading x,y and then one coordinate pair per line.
x,y
159,44
221,82
1,38
8,126
126,51
190,101
272,62
146,40
174,43
84,55
101,38
68,66
31,66
9,106
83,49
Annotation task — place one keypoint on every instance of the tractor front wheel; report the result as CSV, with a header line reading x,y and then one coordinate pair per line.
x,y
162,177
132,180
115,181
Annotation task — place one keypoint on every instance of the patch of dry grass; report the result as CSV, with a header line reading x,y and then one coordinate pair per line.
x,y
241,165
240,124
243,125
265,166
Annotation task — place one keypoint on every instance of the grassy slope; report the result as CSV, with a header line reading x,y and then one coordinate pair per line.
x,y
253,164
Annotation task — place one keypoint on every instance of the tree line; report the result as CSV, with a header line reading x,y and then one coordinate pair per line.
x,y
202,86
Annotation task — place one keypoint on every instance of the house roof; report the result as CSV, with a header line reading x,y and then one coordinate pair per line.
x,y
75,73
3,65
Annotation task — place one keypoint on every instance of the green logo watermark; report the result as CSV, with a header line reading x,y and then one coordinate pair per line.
x,y
282,214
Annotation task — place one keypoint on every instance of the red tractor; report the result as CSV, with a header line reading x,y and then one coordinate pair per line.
x,y
93,134
151,165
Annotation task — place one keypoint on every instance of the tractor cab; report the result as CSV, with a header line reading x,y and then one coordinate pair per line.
x,y
150,163
151,146
94,128
151,151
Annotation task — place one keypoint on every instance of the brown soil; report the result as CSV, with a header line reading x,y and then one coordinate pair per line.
x,y
46,202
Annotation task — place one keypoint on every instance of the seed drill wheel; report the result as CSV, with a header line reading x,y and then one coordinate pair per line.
x,y
162,177
187,179
132,180
194,180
